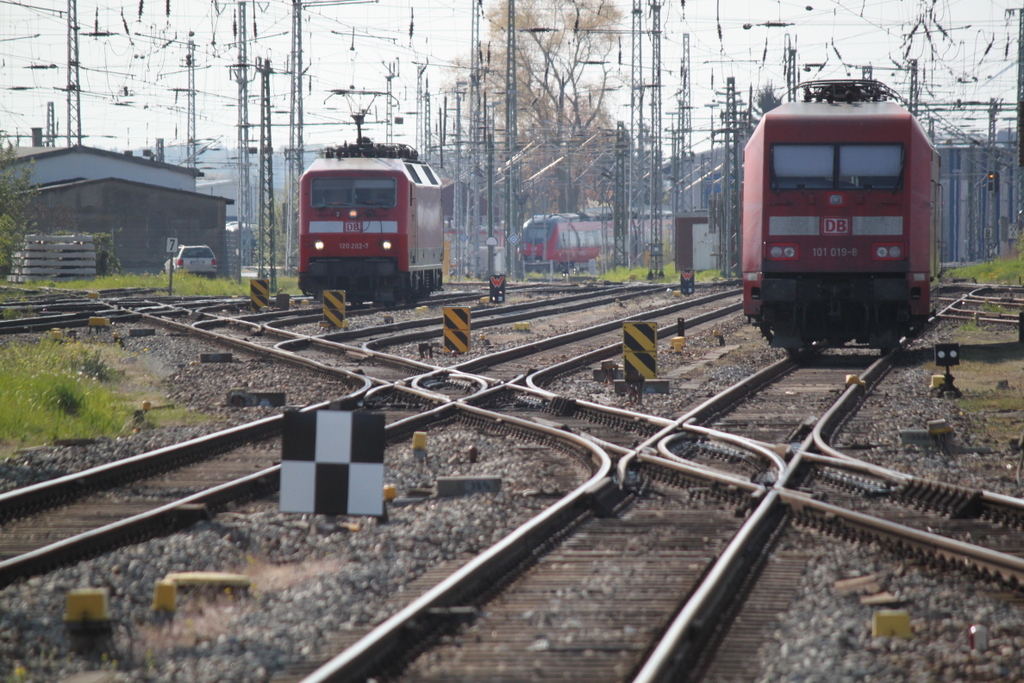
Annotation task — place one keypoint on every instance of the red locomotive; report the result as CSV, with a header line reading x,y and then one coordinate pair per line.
x,y
840,219
370,223
568,239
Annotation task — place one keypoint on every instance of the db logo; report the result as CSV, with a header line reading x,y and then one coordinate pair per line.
x,y
353,226
835,226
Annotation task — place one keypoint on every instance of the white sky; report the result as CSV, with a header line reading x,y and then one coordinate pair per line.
x,y
968,52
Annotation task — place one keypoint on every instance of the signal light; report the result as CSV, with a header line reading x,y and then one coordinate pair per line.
x,y
947,354
993,181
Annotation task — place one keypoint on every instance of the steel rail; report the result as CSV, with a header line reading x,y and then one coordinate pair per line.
x,y
1009,568
168,518
172,516
501,317
711,407
669,460
686,635
261,350
53,492
546,374
388,640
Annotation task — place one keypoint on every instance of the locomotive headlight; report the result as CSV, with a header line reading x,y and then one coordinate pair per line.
x,y
318,245
783,252
889,252
386,244
353,213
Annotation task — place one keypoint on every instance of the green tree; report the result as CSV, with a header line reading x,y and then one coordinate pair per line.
x,y
16,191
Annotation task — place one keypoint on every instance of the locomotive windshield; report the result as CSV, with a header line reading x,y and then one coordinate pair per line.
x,y
844,167
327,191
537,231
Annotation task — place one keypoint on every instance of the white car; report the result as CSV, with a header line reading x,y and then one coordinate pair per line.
x,y
197,259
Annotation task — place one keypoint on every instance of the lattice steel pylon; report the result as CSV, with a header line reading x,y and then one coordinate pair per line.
x,y
74,92
190,64
389,124
620,200
914,101
51,125
476,137
636,127
511,144
243,205
683,128
656,268
992,167
731,181
267,249
789,67
296,153
1017,222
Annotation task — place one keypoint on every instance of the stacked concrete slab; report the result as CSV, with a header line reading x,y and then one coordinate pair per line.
x,y
54,257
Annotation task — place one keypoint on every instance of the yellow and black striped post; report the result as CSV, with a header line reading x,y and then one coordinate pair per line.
x,y
334,308
640,349
259,294
456,329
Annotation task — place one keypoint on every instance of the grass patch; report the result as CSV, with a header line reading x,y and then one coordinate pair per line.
x,y
185,284
622,274
991,377
58,391
1002,271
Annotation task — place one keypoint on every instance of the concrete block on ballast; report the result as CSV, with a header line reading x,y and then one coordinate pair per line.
x,y
165,596
599,375
891,623
460,486
939,427
916,437
215,358
651,386
87,604
86,612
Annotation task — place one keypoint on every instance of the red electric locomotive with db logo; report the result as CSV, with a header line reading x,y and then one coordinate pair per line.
x,y
840,219
370,223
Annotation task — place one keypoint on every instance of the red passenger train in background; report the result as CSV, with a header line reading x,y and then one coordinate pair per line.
x,y
568,239
840,219
370,223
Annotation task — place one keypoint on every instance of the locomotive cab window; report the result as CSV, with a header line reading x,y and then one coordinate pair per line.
x,y
327,191
867,167
828,167
414,174
803,167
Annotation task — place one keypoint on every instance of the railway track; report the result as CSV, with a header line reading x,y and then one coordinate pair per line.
x,y
734,497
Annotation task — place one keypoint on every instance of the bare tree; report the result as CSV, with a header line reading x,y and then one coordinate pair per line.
x,y
565,54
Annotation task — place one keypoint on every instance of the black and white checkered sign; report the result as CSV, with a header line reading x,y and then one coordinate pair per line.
x,y
332,463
